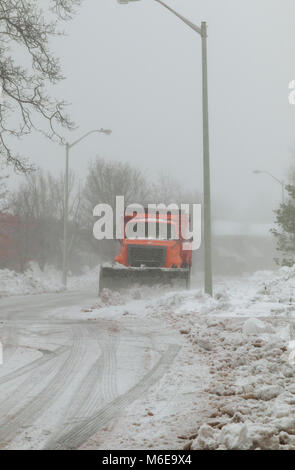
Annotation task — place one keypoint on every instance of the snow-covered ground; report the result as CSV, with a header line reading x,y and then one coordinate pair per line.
x,y
232,384
36,281
183,370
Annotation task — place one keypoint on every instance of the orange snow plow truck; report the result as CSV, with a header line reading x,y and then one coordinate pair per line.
x,y
155,257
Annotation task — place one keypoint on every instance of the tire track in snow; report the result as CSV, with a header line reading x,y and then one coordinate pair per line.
x,y
26,388
32,410
32,365
98,386
109,379
83,431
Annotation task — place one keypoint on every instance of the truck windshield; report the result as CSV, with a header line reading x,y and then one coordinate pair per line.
x,y
155,230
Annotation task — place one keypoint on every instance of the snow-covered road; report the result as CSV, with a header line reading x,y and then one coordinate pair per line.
x,y
64,380
149,369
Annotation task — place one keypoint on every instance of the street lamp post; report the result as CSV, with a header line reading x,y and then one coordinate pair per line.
x,y
202,31
66,200
281,182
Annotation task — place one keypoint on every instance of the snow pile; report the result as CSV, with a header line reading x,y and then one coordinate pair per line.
x,y
252,391
250,352
279,287
263,294
88,280
35,281
32,281
253,326
107,298
183,306
126,297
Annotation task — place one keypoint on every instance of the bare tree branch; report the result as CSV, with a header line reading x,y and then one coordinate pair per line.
x,y
26,31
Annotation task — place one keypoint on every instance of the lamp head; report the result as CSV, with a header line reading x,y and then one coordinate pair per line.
x,y
105,131
122,2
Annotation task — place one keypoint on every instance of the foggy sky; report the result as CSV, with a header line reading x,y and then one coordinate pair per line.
x,y
137,70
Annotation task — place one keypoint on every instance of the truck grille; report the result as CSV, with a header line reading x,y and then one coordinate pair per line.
x,y
150,256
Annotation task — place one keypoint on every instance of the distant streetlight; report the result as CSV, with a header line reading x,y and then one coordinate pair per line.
x,y
66,199
281,182
202,31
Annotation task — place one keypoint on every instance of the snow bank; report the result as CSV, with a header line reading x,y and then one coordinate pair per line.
x,y
35,281
279,286
252,393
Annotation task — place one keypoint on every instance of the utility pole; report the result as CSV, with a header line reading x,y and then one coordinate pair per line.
x,y
206,168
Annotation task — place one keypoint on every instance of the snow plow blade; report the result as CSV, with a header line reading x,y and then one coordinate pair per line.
x,y
116,278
